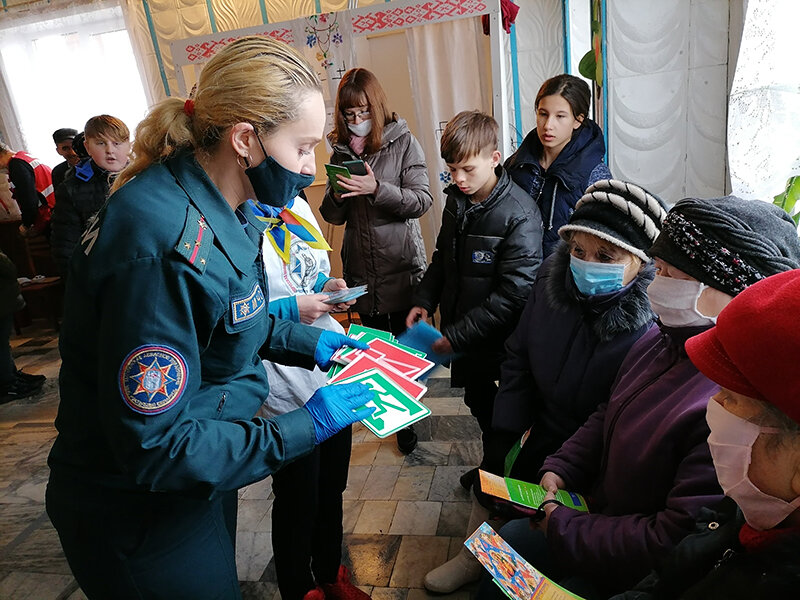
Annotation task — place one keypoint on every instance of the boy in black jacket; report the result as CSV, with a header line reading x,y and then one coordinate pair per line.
x,y
85,189
487,254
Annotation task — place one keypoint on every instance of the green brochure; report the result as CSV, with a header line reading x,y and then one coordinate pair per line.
x,y
526,494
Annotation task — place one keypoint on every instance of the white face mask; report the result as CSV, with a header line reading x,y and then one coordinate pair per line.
x,y
675,302
731,443
361,129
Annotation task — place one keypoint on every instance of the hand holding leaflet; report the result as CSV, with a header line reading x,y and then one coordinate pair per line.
x,y
422,336
333,171
346,294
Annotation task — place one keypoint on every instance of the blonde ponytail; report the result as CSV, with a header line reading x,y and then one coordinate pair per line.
x,y
255,80
164,130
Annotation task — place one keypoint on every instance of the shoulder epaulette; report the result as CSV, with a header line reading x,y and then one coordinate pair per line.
x,y
196,240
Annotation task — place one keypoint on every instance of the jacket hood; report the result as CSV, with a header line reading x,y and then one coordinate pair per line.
x,y
610,315
583,152
391,131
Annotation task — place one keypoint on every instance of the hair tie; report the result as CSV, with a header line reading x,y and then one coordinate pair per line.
x,y
188,107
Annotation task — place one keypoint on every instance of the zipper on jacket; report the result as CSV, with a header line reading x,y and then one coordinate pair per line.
x,y
221,403
726,557
552,204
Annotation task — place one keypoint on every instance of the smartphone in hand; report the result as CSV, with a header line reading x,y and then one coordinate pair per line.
x,y
356,167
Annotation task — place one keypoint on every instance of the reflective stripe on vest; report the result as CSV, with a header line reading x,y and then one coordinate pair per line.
x,y
42,176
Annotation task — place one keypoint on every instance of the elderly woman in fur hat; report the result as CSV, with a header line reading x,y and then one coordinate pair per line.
x,y
587,308
642,458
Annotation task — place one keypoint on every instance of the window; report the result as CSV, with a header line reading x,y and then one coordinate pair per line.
x,y
61,71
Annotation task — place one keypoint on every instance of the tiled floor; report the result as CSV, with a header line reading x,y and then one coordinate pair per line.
x,y
402,514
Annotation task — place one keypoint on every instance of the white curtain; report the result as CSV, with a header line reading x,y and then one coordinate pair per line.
x,y
763,124
450,72
62,68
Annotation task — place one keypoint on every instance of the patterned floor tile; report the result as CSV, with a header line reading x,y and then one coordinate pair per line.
x,y
371,558
415,518
445,486
415,557
413,483
376,516
380,483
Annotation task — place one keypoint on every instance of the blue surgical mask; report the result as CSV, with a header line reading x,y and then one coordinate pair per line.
x,y
596,278
274,184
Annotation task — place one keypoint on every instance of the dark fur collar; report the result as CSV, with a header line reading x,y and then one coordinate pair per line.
x,y
609,315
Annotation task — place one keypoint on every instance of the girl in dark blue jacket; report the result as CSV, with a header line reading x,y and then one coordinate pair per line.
x,y
563,156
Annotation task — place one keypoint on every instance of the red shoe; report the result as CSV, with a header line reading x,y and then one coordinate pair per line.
x,y
315,594
343,589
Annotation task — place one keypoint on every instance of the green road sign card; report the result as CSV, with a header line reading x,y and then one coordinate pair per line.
x,y
395,408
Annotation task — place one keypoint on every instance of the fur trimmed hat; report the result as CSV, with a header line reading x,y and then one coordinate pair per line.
x,y
619,212
728,243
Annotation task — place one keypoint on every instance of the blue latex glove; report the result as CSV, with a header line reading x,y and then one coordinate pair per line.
x,y
328,343
333,408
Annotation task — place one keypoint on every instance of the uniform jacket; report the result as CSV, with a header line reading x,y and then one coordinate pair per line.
x,y
383,244
482,270
165,316
564,356
557,189
643,460
77,201
711,564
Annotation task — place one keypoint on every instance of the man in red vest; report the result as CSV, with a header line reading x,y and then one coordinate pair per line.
x,y
31,187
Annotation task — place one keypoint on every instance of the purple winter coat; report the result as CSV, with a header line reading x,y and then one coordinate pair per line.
x,y
644,461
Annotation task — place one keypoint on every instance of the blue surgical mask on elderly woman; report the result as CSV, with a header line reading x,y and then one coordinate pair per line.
x,y
274,184
596,278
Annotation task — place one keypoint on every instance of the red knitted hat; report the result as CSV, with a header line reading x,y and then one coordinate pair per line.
x,y
755,346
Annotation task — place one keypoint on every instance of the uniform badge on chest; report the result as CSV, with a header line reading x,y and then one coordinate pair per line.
x,y
482,257
244,309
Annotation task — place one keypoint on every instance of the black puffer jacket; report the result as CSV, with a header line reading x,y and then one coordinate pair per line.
x,y
481,273
557,189
711,564
564,356
77,201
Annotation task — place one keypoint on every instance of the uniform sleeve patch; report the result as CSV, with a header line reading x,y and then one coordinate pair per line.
x,y
248,307
152,379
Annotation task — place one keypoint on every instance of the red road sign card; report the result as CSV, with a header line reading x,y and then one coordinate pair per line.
x,y
406,363
365,362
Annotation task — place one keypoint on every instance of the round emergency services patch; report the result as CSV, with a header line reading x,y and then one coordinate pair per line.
x,y
152,379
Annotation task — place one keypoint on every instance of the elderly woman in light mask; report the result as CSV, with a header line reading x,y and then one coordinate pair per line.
x,y
747,546
643,458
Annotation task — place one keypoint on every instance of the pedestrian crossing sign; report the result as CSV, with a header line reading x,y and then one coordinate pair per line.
x,y
395,409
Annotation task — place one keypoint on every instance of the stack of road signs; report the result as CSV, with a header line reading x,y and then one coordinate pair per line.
x,y
391,370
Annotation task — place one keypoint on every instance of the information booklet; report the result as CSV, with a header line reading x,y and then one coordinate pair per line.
x,y
527,494
346,294
333,171
512,573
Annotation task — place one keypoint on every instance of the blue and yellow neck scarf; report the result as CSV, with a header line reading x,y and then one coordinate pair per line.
x,y
282,223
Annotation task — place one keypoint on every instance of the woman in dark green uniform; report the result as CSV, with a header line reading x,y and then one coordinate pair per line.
x,y
165,325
